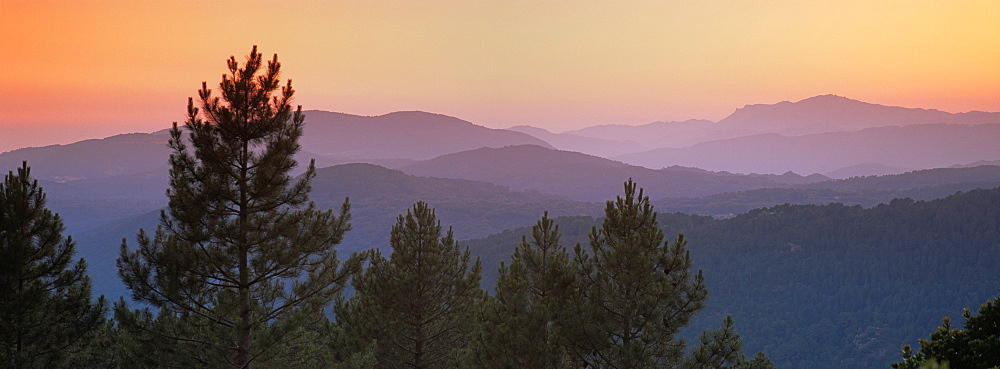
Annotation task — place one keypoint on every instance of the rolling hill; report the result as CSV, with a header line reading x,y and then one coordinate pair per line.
x,y
663,134
602,147
580,176
865,191
392,139
914,179
132,153
400,135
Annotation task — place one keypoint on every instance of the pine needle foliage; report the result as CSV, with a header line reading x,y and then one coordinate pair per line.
x,y
520,326
46,312
418,305
719,349
241,255
636,290
977,346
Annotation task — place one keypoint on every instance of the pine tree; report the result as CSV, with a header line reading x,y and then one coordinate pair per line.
x,y
520,326
718,349
46,312
977,346
241,255
759,361
637,290
417,306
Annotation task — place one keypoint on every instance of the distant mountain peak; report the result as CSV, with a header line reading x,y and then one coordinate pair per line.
x,y
414,113
400,135
829,98
818,100
529,129
833,113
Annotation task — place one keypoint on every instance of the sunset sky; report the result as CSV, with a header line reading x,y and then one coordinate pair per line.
x,y
72,70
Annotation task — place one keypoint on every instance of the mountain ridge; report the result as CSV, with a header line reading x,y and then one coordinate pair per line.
x,y
918,146
400,135
396,137
832,113
579,176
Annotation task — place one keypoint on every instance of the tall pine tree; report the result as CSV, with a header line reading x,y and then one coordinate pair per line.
x,y
46,312
417,306
520,325
637,290
241,255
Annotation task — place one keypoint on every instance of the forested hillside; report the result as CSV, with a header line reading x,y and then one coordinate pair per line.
x,y
866,191
830,286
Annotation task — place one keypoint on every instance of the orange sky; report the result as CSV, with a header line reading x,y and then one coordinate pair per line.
x,y
79,69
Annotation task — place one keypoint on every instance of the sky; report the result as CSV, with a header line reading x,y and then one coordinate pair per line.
x,y
72,70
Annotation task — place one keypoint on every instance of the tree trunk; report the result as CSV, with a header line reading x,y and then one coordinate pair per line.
x,y
243,345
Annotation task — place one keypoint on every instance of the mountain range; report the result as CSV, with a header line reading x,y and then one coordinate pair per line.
x,y
833,135
920,146
846,138
818,114
831,113
330,138
484,180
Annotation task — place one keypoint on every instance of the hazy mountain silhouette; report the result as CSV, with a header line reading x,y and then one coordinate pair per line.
x,y
588,145
580,176
87,203
831,113
400,135
98,158
865,169
914,146
663,134
818,114
976,164
391,140
914,179
792,178
474,208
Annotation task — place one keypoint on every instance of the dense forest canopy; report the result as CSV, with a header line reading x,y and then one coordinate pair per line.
x,y
829,286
